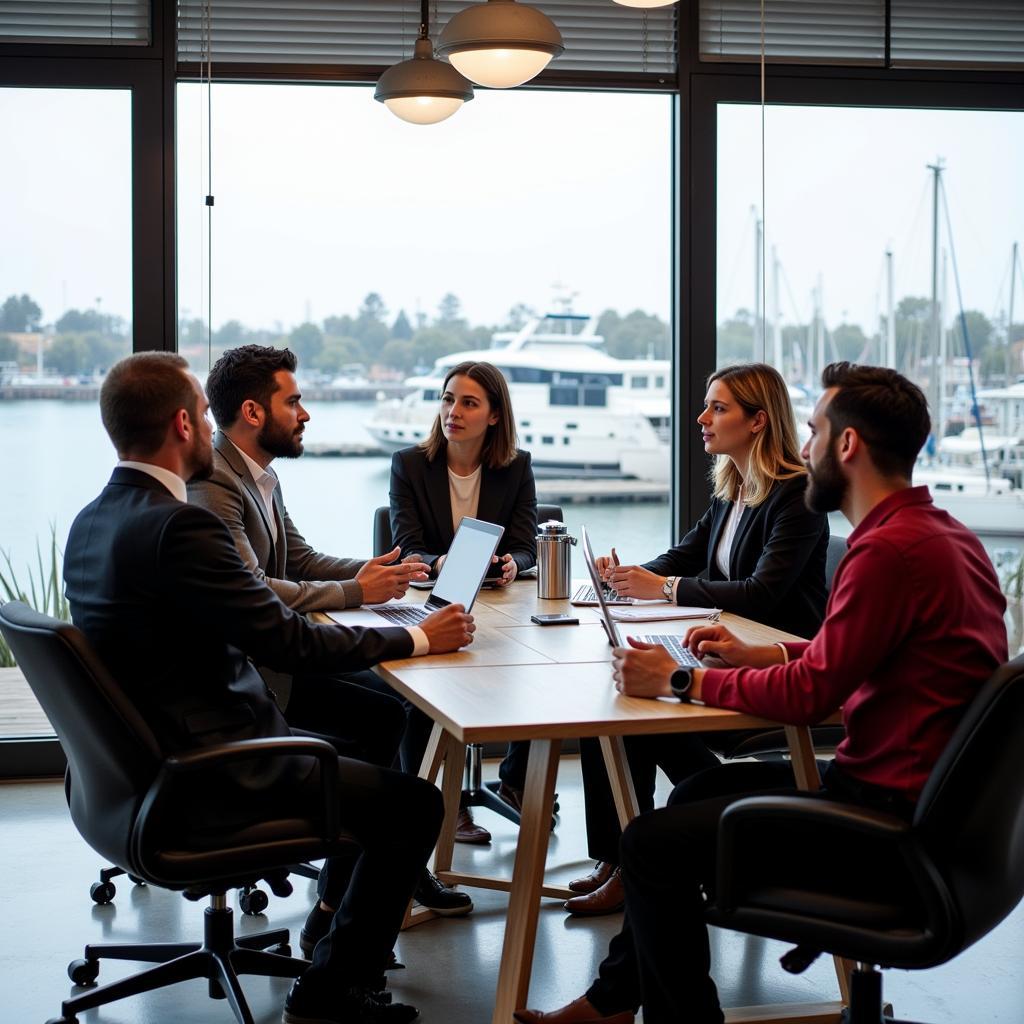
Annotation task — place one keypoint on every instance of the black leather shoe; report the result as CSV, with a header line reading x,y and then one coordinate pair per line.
x,y
431,892
318,924
352,1006
514,798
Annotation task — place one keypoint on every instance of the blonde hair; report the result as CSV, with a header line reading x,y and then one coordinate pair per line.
x,y
775,453
500,441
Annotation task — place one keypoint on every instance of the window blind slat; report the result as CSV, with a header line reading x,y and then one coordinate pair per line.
x,y
90,22
599,35
981,33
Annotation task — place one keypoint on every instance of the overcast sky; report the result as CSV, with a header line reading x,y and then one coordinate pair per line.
x,y
322,196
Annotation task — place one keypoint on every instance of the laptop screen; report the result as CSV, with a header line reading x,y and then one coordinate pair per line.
x,y
607,621
467,563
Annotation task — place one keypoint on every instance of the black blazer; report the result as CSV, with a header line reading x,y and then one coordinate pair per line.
x,y
776,566
421,506
161,592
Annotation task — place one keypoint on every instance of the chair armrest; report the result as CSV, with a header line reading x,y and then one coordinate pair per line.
x,y
203,758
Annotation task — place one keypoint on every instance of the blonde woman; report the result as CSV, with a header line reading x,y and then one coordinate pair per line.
x,y
757,551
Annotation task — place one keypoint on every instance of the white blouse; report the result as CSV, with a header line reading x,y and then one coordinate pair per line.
x,y
724,551
465,495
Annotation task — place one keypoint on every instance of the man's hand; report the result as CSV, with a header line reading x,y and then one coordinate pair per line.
x,y
508,569
635,581
448,629
643,670
381,581
605,563
717,640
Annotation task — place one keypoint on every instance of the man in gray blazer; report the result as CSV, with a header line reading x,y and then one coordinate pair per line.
x,y
256,404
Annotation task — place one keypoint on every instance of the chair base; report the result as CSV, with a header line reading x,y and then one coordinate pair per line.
x,y
220,958
866,1003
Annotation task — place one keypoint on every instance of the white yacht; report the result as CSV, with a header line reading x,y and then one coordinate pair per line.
x,y
579,411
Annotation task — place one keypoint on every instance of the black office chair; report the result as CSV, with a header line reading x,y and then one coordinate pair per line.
x,y
476,793
960,856
126,802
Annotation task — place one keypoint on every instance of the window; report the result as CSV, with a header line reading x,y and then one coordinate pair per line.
x,y
317,243
65,318
840,266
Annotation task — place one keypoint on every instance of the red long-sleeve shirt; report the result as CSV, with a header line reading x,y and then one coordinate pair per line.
x,y
914,626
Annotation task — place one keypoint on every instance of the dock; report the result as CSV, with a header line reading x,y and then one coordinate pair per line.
x,y
583,491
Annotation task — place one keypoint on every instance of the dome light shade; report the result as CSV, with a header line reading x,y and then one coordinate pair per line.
x,y
501,43
645,3
422,90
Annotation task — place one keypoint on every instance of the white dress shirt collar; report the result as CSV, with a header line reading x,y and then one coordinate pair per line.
x,y
266,481
170,480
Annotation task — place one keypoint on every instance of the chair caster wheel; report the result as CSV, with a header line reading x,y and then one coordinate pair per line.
x,y
280,949
137,880
253,902
83,972
102,892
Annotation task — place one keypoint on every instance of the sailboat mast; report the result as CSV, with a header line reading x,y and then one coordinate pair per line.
x,y
1009,323
759,352
935,325
890,317
776,325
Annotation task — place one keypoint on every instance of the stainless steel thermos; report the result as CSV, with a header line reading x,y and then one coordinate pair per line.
x,y
554,562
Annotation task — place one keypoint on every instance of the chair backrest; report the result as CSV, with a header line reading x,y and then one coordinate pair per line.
x,y
971,812
112,755
833,556
382,537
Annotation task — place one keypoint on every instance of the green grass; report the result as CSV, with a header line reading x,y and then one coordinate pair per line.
x,y
45,590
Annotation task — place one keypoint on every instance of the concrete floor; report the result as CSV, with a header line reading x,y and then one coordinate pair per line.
x,y
47,917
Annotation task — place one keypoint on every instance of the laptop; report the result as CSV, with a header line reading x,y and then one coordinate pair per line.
x,y
584,595
673,644
458,582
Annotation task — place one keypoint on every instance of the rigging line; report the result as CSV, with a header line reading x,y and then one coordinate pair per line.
x,y
1002,287
736,264
800,320
963,327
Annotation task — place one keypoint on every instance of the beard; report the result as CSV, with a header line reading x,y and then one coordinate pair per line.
x,y
826,485
279,442
202,461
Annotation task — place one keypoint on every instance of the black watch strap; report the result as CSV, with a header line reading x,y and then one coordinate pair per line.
x,y
681,681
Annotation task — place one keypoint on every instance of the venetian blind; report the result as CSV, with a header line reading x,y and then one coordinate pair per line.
x,y
981,33
92,22
600,36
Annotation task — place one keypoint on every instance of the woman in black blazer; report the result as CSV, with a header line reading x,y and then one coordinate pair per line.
x,y
757,551
469,465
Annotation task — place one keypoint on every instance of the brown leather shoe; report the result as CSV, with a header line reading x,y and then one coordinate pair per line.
x,y
468,831
513,797
588,883
609,899
579,1011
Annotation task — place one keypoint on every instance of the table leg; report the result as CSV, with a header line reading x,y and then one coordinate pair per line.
x,y
527,878
616,764
805,768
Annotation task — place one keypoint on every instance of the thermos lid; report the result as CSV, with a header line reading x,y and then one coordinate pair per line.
x,y
552,528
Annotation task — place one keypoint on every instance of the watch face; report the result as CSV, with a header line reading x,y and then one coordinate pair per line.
x,y
682,680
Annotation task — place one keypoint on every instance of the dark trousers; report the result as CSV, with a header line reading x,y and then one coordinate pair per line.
x,y
394,821
661,958
678,755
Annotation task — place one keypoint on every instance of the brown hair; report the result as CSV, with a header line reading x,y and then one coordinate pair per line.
x,y
500,441
775,454
889,412
140,396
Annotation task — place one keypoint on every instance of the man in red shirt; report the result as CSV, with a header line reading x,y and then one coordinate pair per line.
x,y
913,627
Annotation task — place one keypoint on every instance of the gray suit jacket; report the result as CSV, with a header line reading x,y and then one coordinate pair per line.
x,y
302,578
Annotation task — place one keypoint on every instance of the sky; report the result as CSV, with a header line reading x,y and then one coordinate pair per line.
x,y
322,196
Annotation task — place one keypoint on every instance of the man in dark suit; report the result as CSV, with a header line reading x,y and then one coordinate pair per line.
x,y
159,589
257,406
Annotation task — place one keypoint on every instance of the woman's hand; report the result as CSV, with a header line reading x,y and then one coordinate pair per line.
x,y
635,581
509,569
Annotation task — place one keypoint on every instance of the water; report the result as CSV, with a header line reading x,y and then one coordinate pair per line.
x,y
55,457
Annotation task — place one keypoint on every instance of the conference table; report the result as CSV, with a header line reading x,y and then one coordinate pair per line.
x,y
521,681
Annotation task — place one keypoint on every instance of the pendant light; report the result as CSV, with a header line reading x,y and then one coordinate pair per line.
x,y
650,4
501,43
423,90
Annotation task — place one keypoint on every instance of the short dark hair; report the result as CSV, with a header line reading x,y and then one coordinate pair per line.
x,y
889,412
243,373
140,396
499,448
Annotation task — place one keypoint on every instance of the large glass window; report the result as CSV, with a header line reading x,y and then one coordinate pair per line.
x,y
889,237
523,230
65,317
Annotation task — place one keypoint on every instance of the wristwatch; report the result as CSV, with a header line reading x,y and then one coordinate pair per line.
x,y
668,588
681,681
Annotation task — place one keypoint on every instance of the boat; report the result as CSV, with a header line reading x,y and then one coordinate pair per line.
x,y
579,411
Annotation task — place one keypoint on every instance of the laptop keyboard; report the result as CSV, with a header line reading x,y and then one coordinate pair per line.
x,y
586,594
674,646
402,614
